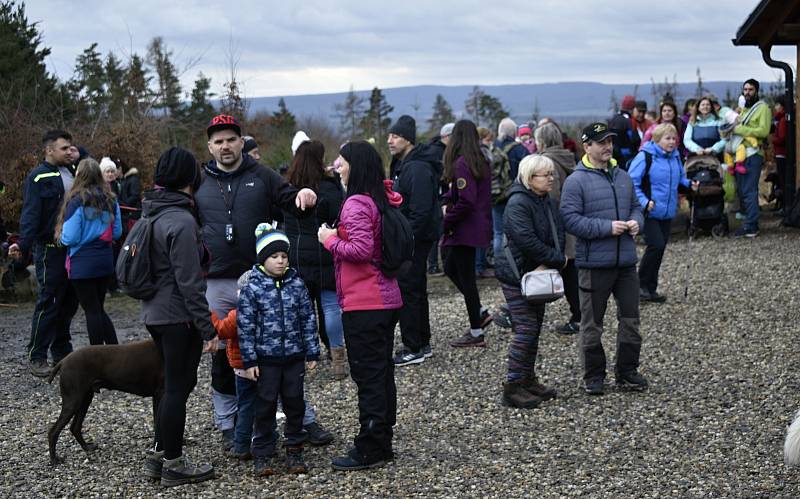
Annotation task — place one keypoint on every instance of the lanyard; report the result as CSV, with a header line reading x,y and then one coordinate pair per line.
x,y
228,202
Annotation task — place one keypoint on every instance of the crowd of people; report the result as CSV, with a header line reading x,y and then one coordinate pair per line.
x,y
256,268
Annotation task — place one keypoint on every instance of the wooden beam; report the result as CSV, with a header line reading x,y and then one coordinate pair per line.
x,y
770,30
796,126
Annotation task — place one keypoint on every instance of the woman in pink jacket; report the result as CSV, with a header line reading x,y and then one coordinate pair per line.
x,y
369,299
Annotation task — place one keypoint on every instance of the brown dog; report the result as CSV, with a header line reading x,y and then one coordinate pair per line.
x,y
132,368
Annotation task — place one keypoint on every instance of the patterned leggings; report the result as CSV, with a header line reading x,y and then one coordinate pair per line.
x,y
526,320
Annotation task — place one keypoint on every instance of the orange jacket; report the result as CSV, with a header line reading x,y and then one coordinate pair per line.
x,y
226,330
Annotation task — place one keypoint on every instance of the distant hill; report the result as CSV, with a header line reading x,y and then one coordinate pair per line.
x,y
566,102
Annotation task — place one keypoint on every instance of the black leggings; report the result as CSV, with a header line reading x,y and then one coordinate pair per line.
x,y
459,266
180,346
92,295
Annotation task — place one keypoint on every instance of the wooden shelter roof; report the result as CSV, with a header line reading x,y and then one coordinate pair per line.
x,y
772,22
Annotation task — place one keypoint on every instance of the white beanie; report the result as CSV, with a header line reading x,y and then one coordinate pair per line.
x,y
107,164
298,139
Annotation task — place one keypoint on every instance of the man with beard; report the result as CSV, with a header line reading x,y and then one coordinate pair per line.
x,y
236,194
754,121
417,169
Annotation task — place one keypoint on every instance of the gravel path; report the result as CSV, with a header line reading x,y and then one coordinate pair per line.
x,y
712,424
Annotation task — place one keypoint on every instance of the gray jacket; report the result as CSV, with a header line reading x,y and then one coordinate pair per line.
x,y
590,201
176,254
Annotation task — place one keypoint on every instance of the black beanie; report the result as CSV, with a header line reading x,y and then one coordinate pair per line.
x,y
249,143
406,127
176,169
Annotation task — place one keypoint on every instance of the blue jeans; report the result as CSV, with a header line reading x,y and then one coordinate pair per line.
x,y
333,318
481,263
497,228
747,189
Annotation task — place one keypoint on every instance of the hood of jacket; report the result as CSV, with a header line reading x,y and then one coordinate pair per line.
x,y
426,153
265,281
213,169
156,200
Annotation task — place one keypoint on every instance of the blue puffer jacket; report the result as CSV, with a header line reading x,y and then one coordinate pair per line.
x,y
590,201
89,236
276,321
666,173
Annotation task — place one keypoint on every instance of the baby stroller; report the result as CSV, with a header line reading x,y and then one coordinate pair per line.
x,y
708,202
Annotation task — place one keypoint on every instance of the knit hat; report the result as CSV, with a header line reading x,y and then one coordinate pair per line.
x,y
524,130
223,122
298,139
269,241
447,129
405,127
628,103
107,164
641,105
176,169
249,143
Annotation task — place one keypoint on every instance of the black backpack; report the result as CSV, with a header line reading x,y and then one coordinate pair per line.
x,y
648,162
397,242
134,276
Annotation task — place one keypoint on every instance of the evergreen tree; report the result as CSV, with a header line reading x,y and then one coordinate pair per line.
x,y
115,86
490,111
442,114
25,84
472,106
282,119
137,85
701,90
613,103
376,121
89,83
350,113
159,59
535,114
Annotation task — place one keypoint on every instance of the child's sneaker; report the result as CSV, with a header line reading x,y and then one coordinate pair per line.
x,y
739,168
263,466
294,460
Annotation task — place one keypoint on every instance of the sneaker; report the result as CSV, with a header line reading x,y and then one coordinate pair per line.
x,y
569,328
180,471
427,351
406,357
434,271
742,232
467,340
594,386
652,297
294,461
153,463
317,435
39,368
632,381
227,439
502,318
263,466
486,319
353,462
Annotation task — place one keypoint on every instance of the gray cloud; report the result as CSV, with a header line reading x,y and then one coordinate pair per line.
x,y
320,46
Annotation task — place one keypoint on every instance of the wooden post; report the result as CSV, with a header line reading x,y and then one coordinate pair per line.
x,y
794,117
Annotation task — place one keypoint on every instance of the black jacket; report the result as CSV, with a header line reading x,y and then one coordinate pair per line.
x,y
417,180
311,260
43,192
626,143
177,258
130,193
244,198
529,235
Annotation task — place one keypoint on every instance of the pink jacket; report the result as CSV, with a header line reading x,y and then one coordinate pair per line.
x,y
356,250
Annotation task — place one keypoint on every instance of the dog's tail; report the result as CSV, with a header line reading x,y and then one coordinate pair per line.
x,y
54,372
791,448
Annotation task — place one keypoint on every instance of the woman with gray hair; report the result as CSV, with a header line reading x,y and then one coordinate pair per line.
x,y
549,141
528,224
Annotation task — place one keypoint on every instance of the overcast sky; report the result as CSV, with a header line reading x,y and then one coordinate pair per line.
x,y
291,48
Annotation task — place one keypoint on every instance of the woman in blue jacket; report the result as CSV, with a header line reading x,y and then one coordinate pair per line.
x,y
657,190
88,224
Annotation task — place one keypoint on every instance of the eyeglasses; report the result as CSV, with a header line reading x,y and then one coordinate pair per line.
x,y
551,174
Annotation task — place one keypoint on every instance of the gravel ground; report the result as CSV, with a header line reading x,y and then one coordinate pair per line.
x,y
712,424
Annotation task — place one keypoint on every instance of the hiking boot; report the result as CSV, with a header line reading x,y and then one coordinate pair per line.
x,y
227,439
39,368
153,462
569,328
406,357
502,318
632,381
651,296
180,471
317,435
594,386
243,455
352,461
515,395
467,340
338,363
486,319
294,460
427,351
536,388
263,466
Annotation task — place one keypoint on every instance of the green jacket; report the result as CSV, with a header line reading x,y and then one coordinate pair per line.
x,y
757,125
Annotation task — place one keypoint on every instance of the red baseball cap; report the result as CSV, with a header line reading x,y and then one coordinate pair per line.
x,y
223,122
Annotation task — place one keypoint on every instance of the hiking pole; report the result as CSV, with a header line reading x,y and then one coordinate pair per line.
x,y
691,254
